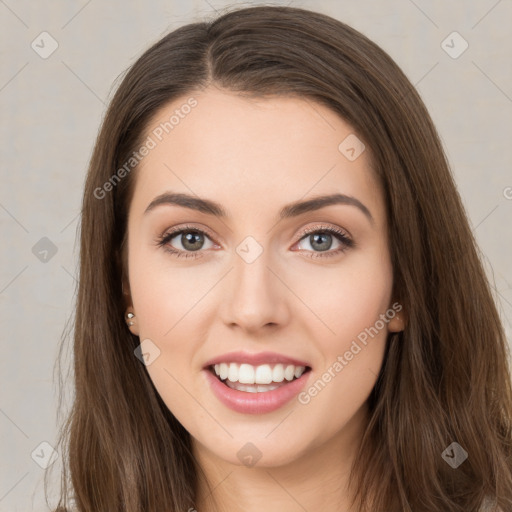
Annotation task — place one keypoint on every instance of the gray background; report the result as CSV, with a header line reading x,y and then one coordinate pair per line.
x,y
51,109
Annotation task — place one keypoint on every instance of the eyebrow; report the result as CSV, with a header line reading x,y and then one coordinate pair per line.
x,y
294,209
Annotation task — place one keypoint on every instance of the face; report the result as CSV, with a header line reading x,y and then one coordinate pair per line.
x,y
264,289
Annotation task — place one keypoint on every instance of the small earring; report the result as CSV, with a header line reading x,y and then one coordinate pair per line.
x,y
129,316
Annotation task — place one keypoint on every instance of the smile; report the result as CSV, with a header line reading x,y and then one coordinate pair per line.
x,y
256,379
256,389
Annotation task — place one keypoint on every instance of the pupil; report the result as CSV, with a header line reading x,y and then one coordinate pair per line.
x,y
324,246
189,241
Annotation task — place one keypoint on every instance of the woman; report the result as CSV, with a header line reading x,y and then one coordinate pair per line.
x,y
280,303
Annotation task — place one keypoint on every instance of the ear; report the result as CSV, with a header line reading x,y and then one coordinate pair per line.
x,y
131,321
399,320
129,315
127,298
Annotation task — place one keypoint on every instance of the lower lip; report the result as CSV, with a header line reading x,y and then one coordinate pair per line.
x,y
256,403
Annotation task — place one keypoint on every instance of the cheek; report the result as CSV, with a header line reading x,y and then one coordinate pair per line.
x,y
165,295
166,301
349,298
352,349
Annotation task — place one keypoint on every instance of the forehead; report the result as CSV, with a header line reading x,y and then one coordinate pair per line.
x,y
252,153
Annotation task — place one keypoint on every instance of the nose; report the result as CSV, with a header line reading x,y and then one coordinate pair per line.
x,y
255,296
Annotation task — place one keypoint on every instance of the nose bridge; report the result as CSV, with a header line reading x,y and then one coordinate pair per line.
x,y
256,296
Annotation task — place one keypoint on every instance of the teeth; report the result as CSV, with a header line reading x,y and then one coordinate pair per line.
x,y
298,371
289,372
249,388
263,374
278,373
233,372
224,369
246,374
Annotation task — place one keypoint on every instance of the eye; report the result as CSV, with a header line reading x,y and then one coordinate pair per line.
x,y
189,240
320,239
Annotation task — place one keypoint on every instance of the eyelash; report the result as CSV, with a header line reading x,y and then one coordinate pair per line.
x,y
347,243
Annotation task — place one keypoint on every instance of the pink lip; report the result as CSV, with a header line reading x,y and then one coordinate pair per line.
x,y
255,403
254,359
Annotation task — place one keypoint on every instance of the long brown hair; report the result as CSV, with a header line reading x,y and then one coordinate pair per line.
x,y
444,379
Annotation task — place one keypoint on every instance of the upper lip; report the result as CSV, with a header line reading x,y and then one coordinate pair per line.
x,y
254,359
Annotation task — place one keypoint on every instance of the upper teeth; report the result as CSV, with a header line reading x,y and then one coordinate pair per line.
x,y
263,374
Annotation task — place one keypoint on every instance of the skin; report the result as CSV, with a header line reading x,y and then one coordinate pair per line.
x,y
253,157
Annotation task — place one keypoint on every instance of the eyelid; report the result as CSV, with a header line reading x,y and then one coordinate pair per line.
x,y
305,231
188,227
326,227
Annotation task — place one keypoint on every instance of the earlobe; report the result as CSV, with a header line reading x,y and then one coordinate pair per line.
x,y
398,322
131,322
129,315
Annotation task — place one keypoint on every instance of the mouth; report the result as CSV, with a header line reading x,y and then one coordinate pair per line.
x,y
263,378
